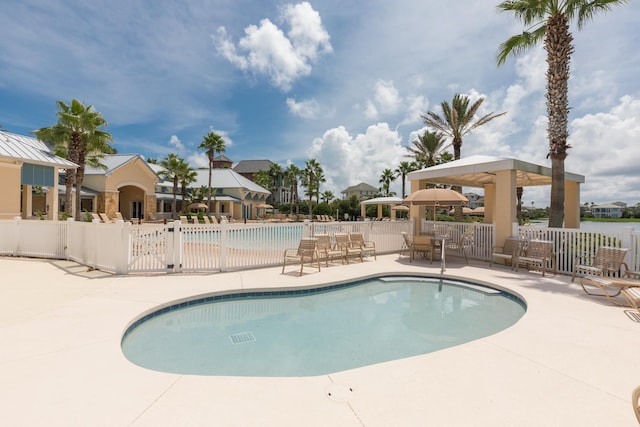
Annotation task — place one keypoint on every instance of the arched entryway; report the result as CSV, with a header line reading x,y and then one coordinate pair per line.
x,y
131,202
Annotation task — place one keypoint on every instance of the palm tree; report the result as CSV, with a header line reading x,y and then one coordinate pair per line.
x,y
402,170
186,176
427,148
79,137
548,21
291,178
262,178
275,172
385,179
310,175
212,144
327,196
171,166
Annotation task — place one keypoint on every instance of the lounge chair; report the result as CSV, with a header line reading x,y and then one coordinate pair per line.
x,y
104,217
119,217
632,295
348,250
184,219
609,287
368,247
635,401
507,252
214,220
607,261
328,250
195,220
422,244
96,217
306,252
538,255
206,220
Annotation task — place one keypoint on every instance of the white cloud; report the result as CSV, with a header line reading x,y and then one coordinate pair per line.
x,y
284,58
307,109
175,142
348,160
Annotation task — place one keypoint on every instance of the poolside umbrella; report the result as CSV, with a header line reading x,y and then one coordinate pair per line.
x,y
436,197
197,206
465,211
264,206
478,211
402,208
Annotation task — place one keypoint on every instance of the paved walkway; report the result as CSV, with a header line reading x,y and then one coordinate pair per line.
x,y
572,360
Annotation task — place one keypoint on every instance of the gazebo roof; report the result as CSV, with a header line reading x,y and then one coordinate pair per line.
x,y
477,171
383,201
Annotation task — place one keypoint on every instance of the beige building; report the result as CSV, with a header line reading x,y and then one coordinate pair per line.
x,y
29,177
362,191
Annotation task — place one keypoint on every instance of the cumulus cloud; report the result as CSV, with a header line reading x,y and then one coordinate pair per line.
x,y
267,50
175,142
307,109
348,160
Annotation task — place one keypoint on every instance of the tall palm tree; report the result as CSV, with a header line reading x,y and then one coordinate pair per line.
x,y
310,175
78,135
427,148
547,21
263,179
187,176
386,178
171,169
457,120
402,170
327,196
212,144
291,176
275,172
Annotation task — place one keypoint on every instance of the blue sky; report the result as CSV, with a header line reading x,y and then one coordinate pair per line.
x,y
342,82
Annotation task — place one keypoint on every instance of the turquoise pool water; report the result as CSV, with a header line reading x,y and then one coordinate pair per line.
x,y
318,331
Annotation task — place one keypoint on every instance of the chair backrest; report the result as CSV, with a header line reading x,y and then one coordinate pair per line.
x,y
104,217
214,220
323,242
540,248
609,257
119,216
205,218
96,217
195,220
342,239
356,238
407,239
307,247
421,241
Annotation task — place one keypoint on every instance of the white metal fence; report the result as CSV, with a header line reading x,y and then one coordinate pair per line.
x,y
123,248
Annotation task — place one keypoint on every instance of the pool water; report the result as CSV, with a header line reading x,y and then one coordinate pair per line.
x,y
319,331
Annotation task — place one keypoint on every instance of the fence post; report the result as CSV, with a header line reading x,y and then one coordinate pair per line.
x,y
307,229
174,248
122,266
224,228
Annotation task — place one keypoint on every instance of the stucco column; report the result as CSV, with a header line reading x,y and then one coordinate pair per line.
x,y
27,201
416,212
571,204
52,201
505,206
363,211
489,202
379,211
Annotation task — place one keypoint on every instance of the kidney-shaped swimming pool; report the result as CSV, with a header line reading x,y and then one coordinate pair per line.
x,y
318,331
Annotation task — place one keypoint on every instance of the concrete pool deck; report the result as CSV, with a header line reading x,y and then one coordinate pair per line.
x,y
571,360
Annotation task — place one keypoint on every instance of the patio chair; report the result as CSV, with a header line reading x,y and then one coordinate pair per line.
x,y
306,252
184,219
422,244
509,251
406,243
195,220
632,295
609,287
327,250
368,247
607,261
461,246
348,250
538,255
104,217
206,220
96,217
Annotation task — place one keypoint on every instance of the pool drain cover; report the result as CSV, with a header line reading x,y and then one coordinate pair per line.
x,y
242,337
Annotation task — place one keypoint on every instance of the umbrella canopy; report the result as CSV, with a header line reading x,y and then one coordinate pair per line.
x,y
197,206
465,211
400,208
436,197
264,206
478,211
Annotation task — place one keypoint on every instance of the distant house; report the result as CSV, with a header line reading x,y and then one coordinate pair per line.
x,y
29,176
475,200
610,210
249,168
221,162
362,191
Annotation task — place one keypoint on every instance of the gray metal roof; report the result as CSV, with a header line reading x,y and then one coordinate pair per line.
x,y
115,161
30,150
220,178
252,166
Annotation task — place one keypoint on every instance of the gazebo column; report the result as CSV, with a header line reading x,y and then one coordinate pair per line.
x,y
504,214
363,211
489,202
571,204
51,200
27,201
379,211
416,212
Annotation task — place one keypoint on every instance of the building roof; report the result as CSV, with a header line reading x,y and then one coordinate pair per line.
x,y
220,178
363,186
112,162
30,150
477,171
383,201
222,158
252,166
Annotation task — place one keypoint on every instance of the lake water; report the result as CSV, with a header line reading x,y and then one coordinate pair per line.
x,y
613,227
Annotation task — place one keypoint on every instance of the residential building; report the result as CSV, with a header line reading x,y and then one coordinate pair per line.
x,y
280,194
610,210
362,191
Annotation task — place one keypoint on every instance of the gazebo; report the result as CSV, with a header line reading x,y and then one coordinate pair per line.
x,y
499,177
380,201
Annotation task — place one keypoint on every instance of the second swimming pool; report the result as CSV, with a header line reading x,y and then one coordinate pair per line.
x,y
318,331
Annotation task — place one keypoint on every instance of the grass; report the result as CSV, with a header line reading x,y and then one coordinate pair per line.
x,y
610,219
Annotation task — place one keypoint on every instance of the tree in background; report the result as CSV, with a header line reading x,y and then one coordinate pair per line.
x,y
212,144
291,176
186,177
77,136
402,170
171,166
548,21
386,178
427,149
